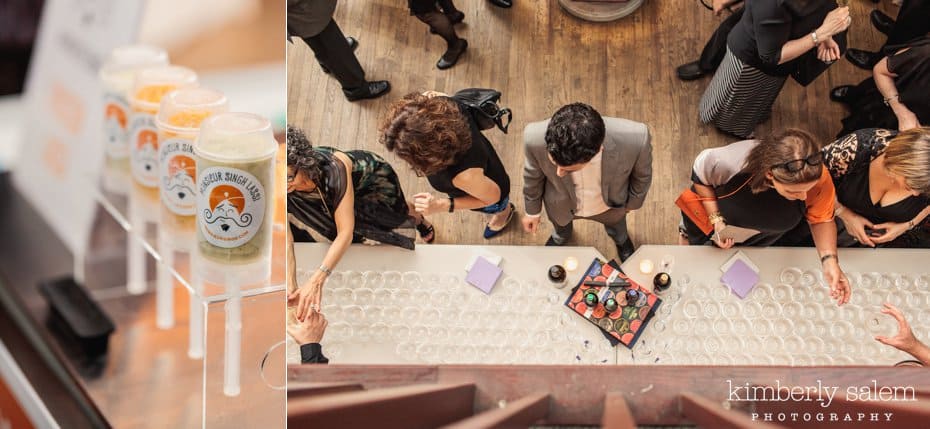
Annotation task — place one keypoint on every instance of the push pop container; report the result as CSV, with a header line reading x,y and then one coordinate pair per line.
x,y
116,78
178,122
235,155
151,85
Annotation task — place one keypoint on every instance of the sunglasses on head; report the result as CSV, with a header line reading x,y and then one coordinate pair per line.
x,y
798,164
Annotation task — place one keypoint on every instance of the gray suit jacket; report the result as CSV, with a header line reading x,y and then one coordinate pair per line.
x,y
307,18
625,176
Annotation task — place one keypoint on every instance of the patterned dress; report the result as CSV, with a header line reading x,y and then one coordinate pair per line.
x,y
381,213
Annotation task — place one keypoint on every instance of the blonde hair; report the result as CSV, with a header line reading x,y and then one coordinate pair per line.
x,y
908,155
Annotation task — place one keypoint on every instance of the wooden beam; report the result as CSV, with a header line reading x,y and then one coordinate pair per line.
x,y
617,414
710,414
520,414
302,389
418,406
651,392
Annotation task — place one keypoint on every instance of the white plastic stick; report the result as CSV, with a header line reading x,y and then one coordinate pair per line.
x,y
136,258
164,292
233,336
196,336
79,267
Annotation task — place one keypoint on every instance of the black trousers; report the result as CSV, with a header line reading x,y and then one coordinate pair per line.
x,y
716,47
913,21
334,53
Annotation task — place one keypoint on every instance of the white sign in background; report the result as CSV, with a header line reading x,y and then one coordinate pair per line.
x,y
62,151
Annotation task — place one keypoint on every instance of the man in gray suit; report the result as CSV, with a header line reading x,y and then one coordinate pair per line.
x,y
582,166
312,21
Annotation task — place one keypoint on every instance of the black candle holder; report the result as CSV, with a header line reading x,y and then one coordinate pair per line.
x,y
662,281
557,274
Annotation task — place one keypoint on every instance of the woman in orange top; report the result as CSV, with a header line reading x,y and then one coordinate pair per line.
x,y
769,185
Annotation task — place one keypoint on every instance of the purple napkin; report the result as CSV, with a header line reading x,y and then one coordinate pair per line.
x,y
483,275
740,278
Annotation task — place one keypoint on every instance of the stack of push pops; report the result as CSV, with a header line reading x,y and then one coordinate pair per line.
x,y
208,166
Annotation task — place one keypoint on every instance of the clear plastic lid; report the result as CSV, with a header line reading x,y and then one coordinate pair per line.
x,y
152,83
182,111
121,66
236,137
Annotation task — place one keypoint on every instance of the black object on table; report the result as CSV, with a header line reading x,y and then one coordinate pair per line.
x,y
77,317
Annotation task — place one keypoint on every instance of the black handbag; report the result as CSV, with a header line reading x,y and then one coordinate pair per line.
x,y
482,104
808,67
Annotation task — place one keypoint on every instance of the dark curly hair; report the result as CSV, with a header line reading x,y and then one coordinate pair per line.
x,y
429,133
302,156
779,148
575,134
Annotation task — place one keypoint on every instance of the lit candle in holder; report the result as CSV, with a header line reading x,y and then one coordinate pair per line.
x,y
645,266
571,263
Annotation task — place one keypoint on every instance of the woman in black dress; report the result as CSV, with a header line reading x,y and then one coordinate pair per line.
x,y
438,137
898,94
770,186
761,53
348,197
882,184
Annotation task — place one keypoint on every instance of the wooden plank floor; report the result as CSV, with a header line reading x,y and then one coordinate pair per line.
x,y
541,58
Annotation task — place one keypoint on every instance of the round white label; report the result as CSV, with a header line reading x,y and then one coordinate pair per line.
x,y
143,148
116,126
230,205
177,176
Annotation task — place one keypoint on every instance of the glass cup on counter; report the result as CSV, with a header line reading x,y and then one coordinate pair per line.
x,y
791,276
149,87
880,324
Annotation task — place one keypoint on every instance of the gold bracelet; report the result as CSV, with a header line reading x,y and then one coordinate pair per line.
x,y
715,217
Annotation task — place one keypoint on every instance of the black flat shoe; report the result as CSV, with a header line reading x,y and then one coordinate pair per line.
x,y
690,71
883,23
353,44
427,232
452,55
863,59
840,94
502,3
373,89
551,242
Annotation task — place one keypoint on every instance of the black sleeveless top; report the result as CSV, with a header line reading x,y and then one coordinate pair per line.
x,y
480,155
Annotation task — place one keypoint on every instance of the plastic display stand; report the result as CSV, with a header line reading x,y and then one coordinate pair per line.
x,y
229,316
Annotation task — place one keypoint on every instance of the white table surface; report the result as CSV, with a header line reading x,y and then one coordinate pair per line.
x,y
524,319
834,335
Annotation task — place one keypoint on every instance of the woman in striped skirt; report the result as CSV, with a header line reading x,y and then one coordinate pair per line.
x,y
761,50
